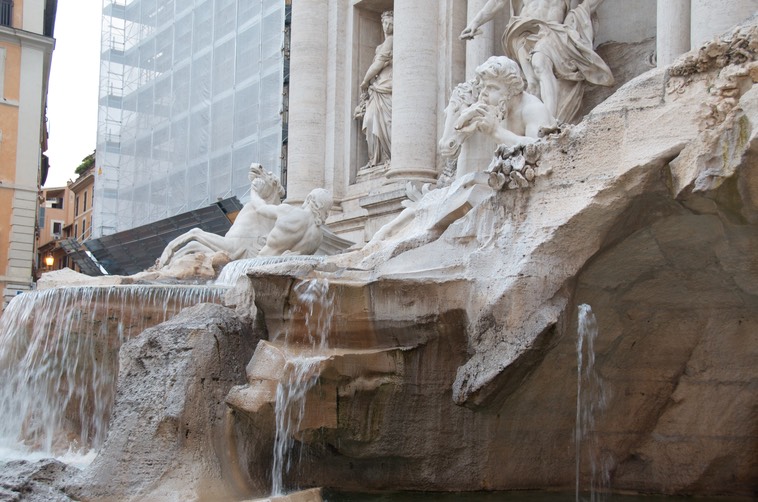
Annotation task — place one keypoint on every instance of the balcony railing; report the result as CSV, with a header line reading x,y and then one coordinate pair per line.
x,y
6,12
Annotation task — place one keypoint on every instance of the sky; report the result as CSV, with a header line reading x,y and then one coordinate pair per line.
x,y
73,88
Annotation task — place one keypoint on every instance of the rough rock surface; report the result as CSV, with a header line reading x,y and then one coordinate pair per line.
x,y
170,436
648,211
626,61
454,361
40,481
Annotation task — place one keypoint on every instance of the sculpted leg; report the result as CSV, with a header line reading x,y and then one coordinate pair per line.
x,y
525,61
543,70
180,245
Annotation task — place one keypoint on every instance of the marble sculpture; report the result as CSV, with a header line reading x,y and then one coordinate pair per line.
x,y
553,42
264,226
375,107
503,110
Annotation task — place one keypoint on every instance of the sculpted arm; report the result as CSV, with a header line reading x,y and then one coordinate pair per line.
x,y
506,137
256,201
482,117
382,59
482,17
536,116
270,211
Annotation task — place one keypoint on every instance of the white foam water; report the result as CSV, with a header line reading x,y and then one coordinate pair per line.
x,y
236,269
59,361
313,299
301,374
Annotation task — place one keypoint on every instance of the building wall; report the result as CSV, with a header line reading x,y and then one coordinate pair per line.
x,y
47,237
82,190
28,51
339,38
191,94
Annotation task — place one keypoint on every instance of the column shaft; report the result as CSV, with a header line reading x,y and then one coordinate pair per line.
x,y
307,104
483,46
414,91
672,31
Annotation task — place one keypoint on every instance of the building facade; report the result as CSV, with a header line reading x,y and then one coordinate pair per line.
x,y
64,222
333,47
26,46
83,193
53,225
191,93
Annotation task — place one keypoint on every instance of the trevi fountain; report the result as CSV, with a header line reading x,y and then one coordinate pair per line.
x,y
553,286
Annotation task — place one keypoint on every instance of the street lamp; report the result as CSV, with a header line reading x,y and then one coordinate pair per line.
x,y
49,260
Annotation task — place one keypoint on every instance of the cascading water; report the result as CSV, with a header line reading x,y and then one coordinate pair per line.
x,y
314,301
591,400
235,269
59,360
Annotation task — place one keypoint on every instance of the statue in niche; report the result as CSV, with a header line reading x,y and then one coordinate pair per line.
x,y
375,107
264,227
553,42
503,110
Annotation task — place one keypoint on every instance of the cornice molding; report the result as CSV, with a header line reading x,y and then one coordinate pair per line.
x,y
26,38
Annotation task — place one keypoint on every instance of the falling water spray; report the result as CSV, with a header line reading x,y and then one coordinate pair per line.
x,y
314,301
591,401
59,360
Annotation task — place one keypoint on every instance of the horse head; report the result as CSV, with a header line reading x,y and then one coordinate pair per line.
x,y
463,96
266,184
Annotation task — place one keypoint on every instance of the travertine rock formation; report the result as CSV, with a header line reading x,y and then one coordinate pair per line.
x,y
40,481
648,211
170,435
452,347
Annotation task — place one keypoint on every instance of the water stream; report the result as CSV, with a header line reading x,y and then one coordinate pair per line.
x,y
236,269
59,361
591,400
314,302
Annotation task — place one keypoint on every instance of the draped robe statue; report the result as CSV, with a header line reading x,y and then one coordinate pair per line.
x,y
552,40
376,100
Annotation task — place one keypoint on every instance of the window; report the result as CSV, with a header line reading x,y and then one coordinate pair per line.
x,y
6,12
76,206
84,227
2,72
54,202
85,202
57,229
76,230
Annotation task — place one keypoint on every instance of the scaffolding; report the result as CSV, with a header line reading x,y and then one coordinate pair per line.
x,y
190,94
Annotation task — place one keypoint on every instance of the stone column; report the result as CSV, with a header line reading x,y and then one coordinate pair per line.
x,y
711,18
414,91
307,101
483,46
672,30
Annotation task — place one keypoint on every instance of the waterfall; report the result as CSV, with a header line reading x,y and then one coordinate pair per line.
x,y
314,301
59,359
235,269
591,401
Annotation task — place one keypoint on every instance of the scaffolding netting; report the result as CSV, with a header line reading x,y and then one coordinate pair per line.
x,y
191,92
